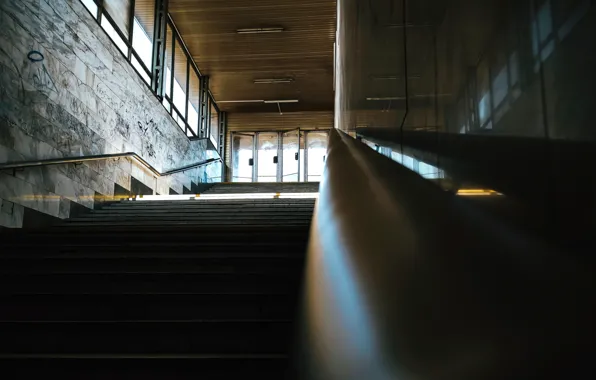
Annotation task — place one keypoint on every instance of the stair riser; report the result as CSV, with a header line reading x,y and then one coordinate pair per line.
x,y
145,338
145,307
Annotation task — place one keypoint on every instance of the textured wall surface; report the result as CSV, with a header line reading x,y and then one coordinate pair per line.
x,y
84,98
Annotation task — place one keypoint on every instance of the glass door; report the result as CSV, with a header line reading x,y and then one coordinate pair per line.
x,y
316,151
242,157
290,156
267,156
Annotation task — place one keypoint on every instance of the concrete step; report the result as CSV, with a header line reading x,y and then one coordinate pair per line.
x,y
38,264
148,283
196,337
145,307
147,366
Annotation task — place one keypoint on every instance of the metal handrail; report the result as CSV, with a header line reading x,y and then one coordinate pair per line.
x,y
404,280
70,160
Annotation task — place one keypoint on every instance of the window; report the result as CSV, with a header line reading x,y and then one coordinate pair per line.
x,y
483,91
168,73
514,68
425,170
140,69
397,157
408,162
193,102
143,46
429,171
131,26
142,33
119,11
91,6
180,82
568,14
543,43
500,86
462,119
214,125
109,28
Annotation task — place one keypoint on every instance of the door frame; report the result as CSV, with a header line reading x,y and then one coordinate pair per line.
x,y
281,155
302,163
233,152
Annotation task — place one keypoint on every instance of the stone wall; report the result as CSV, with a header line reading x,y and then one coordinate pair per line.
x,y
83,98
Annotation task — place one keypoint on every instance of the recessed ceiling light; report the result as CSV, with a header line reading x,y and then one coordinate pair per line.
x,y
259,30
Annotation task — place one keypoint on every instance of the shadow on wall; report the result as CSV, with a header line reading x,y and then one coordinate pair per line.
x,y
513,68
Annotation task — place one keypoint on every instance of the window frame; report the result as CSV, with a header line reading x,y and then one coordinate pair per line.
x,y
177,41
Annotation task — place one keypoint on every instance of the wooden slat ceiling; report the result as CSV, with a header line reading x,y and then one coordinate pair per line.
x,y
303,51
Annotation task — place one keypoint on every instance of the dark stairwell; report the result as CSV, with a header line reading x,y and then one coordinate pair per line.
x,y
157,289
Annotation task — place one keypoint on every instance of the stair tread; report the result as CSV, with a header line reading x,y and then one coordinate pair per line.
x,y
212,282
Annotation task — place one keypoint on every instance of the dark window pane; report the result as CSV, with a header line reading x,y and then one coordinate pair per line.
x,y
483,92
500,86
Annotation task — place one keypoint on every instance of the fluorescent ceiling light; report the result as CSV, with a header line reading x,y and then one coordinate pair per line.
x,y
273,80
281,101
259,30
387,98
260,101
240,101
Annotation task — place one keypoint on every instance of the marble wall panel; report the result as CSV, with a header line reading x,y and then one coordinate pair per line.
x,y
84,98
24,193
143,175
64,208
11,214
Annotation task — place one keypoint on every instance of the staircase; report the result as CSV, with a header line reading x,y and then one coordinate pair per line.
x,y
157,289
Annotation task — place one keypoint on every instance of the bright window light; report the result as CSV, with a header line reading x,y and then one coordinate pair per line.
x,y
91,6
142,44
140,70
168,82
240,196
107,26
193,118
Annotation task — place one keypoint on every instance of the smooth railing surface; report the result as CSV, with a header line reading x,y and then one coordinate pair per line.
x,y
74,160
407,281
